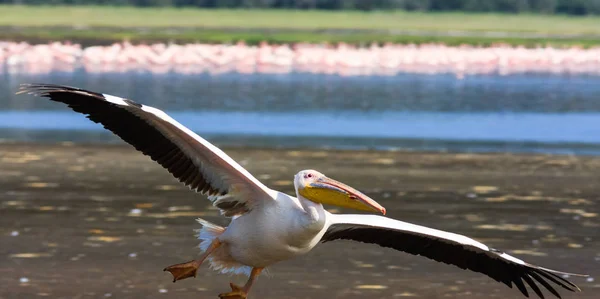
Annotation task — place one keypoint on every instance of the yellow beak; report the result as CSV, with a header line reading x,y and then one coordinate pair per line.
x,y
328,191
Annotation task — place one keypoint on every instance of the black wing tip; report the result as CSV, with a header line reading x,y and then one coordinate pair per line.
x,y
43,89
556,279
544,283
29,88
561,276
50,90
562,273
537,274
555,276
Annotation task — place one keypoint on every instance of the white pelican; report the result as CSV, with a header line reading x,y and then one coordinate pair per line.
x,y
268,226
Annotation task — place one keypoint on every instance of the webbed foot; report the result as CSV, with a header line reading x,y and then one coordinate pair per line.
x,y
237,292
189,269
183,270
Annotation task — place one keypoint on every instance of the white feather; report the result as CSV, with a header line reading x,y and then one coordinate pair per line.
x,y
384,222
219,260
512,259
115,100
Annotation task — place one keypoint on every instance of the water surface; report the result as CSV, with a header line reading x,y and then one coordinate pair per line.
x,y
521,113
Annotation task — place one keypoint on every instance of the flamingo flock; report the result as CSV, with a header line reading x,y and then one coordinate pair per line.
x,y
342,59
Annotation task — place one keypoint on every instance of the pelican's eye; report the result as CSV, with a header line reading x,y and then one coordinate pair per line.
x,y
309,175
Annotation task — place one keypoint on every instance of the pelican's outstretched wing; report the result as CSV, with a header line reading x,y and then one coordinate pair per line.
x,y
188,157
448,248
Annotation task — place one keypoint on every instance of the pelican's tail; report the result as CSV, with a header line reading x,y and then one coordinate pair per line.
x,y
208,233
219,260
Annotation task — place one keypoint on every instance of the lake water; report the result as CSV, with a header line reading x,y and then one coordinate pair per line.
x,y
516,113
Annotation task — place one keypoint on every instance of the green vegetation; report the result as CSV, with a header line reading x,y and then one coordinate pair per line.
x,y
93,24
103,16
573,7
94,37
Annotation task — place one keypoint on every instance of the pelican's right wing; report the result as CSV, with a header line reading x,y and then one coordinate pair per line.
x,y
448,248
188,157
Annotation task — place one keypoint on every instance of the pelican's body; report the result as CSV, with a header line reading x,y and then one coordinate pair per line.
x,y
269,226
274,232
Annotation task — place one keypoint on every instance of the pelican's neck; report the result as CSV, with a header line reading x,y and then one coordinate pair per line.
x,y
315,211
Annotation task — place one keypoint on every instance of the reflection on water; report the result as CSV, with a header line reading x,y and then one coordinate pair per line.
x,y
480,113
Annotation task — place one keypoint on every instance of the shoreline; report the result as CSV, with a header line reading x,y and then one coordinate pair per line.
x,y
360,37
233,142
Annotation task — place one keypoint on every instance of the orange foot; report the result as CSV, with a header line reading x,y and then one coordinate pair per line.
x,y
183,270
237,292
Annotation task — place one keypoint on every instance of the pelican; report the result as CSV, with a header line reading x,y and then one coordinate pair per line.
x,y
268,226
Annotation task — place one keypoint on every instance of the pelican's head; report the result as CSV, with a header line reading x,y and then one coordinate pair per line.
x,y
318,188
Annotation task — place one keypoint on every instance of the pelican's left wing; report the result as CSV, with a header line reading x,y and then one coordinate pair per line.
x,y
188,157
448,248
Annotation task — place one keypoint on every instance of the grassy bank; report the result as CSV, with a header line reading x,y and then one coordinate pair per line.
x,y
285,19
90,37
108,24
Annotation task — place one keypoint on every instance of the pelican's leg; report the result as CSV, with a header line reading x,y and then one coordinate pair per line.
x,y
238,292
188,269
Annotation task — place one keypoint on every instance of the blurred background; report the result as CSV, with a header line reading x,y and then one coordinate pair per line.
x,y
476,116
497,75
